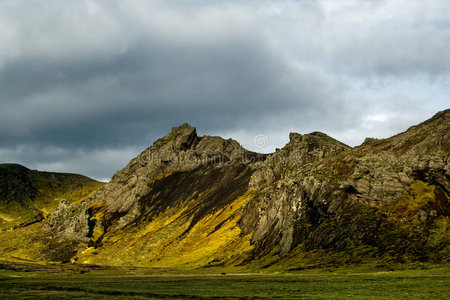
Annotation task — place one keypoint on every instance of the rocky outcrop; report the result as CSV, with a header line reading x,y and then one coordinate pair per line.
x,y
233,206
179,151
323,195
284,190
202,162
70,222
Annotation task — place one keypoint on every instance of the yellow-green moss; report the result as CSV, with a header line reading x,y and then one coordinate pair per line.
x,y
164,242
419,195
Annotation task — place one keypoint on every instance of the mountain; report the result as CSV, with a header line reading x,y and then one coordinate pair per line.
x,y
189,201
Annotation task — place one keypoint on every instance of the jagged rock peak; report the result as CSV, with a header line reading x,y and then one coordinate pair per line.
x,y
316,137
181,150
293,136
182,137
313,140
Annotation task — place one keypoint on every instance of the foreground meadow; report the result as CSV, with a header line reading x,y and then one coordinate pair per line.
x,y
431,283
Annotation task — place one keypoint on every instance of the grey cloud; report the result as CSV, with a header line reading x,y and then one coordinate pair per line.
x,y
405,53
147,86
373,38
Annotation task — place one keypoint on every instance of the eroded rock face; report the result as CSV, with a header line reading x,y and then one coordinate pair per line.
x,y
69,222
285,192
314,179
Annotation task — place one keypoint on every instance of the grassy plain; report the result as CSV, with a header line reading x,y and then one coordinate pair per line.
x,y
343,283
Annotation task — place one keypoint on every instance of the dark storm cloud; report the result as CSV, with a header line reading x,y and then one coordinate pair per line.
x,y
86,85
120,100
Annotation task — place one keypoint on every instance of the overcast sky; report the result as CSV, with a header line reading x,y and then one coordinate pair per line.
x,y
87,85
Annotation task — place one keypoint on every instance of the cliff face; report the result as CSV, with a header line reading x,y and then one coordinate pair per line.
x,y
390,194
190,201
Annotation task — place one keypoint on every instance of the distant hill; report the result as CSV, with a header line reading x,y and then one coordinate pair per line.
x,y
28,196
192,201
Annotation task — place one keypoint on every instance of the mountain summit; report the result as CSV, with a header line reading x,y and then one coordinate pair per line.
x,y
190,201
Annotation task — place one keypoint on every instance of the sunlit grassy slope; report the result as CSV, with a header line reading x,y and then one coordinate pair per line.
x,y
166,241
28,195
26,198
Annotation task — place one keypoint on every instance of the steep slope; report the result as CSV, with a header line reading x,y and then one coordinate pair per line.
x,y
190,201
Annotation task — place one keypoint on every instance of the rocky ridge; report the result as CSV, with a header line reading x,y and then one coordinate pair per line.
x,y
204,201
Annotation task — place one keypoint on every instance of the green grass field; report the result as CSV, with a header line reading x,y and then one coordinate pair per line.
x,y
142,283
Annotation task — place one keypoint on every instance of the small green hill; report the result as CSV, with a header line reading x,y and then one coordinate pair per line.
x,y
27,196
